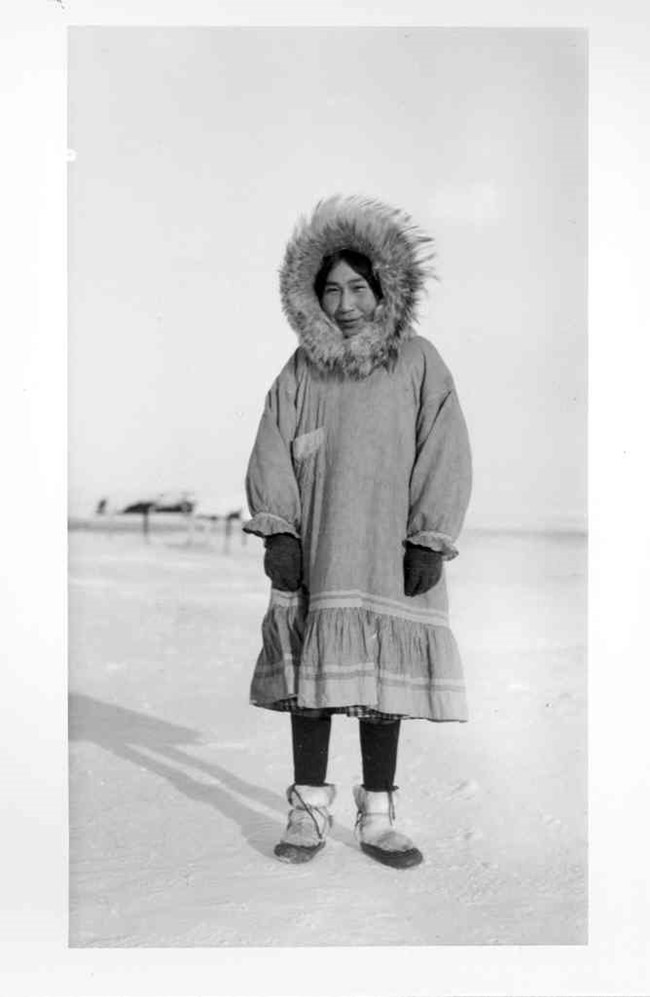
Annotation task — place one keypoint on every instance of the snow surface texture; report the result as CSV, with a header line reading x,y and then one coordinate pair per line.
x,y
177,784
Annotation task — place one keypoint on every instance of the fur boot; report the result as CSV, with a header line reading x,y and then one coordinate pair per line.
x,y
309,822
376,834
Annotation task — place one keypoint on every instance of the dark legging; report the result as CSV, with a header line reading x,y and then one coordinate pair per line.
x,y
311,737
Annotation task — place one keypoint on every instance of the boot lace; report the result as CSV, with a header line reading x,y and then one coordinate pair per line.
x,y
311,811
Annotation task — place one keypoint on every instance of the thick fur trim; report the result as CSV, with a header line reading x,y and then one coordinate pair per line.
x,y
400,254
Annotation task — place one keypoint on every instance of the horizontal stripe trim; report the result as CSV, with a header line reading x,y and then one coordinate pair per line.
x,y
386,680
361,672
364,596
380,605
356,671
288,599
355,599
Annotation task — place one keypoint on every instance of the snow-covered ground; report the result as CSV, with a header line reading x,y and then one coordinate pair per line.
x,y
177,784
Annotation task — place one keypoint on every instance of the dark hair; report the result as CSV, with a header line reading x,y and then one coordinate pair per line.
x,y
359,263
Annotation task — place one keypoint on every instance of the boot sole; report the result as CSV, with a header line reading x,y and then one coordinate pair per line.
x,y
296,854
396,860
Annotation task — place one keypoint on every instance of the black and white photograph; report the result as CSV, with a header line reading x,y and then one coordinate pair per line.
x,y
327,486
325,541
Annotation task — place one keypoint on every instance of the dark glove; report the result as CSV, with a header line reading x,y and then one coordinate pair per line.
x,y
283,561
422,569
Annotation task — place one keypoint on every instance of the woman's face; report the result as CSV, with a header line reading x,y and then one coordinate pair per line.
x,y
348,299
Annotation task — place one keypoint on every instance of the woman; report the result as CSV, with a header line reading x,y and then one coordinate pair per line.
x,y
358,483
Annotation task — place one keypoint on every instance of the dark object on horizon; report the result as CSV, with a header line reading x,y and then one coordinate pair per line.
x,y
144,508
141,507
163,503
184,506
182,502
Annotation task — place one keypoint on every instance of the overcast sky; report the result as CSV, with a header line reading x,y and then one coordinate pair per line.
x,y
193,152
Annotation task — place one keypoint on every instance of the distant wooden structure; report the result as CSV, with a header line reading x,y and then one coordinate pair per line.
x,y
206,518
144,508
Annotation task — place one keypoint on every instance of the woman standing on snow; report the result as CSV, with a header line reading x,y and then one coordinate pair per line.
x,y
358,483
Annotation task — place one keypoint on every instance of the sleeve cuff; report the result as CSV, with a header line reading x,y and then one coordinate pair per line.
x,y
266,524
435,541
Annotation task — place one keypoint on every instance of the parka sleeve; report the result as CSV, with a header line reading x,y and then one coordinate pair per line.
x,y
271,486
441,478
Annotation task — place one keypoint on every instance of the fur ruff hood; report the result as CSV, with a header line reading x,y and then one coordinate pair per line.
x,y
400,255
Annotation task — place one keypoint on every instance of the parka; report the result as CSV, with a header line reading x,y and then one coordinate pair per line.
x,y
362,447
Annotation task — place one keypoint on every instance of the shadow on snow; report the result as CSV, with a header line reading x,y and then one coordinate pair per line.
x,y
151,744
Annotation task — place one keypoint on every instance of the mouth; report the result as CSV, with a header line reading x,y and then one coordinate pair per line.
x,y
350,325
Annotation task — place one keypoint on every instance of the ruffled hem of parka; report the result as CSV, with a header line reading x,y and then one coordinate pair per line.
x,y
348,656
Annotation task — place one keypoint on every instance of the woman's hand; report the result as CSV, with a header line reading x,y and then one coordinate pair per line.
x,y
283,561
422,569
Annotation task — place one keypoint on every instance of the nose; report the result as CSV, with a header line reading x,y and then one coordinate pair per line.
x,y
345,302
